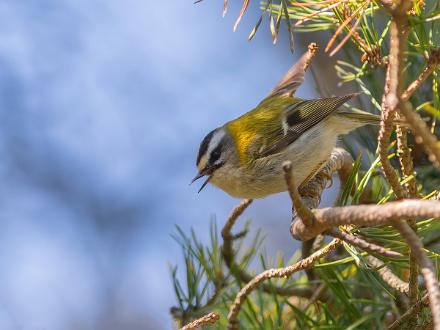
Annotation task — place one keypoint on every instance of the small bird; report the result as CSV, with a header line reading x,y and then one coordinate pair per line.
x,y
244,157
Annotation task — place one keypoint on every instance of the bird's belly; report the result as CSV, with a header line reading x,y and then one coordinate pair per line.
x,y
265,176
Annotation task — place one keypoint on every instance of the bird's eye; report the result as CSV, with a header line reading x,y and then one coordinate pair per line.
x,y
215,155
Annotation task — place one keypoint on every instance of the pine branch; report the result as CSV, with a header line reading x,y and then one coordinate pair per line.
x,y
208,319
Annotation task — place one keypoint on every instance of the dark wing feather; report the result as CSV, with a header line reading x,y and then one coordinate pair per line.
x,y
302,116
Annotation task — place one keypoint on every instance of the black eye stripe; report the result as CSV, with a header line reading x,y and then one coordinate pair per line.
x,y
215,154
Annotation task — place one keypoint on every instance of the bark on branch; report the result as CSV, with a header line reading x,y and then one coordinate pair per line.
x,y
365,215
208,319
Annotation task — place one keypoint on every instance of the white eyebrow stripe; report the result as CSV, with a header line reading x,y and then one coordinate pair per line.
x,y
215,140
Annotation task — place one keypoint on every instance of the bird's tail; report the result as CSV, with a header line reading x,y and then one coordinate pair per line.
x,y
363,118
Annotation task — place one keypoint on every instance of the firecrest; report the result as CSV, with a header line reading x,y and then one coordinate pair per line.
x,y
244,156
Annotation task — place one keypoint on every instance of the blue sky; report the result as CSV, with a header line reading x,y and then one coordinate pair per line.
x,y
103,105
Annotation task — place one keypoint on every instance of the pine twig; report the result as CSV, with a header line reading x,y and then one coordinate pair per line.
x,y
422,133
349,34
387,275
302,210
407,166
276,272
306,251
226,231
387,115
208,319
365,215
433,62
427,268
228,255
316,295
342,26
363,244
319,11
392,100
412,312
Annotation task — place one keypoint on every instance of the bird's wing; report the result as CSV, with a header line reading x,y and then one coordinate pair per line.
x,y
300,117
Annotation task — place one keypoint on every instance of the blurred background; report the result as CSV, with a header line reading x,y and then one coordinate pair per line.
x,y
103,105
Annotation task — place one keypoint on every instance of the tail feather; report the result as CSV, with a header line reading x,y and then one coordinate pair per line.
x,y
364,118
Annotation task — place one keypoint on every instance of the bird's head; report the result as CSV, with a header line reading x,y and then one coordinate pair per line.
x,y
216,150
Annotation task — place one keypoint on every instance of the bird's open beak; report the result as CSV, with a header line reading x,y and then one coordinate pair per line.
x,y
198,176
205,183
208,171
